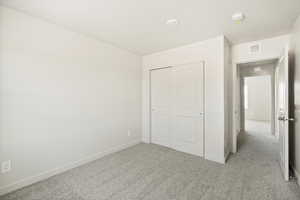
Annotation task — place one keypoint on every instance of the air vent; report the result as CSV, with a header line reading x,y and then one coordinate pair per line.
x,y
254,48
257,69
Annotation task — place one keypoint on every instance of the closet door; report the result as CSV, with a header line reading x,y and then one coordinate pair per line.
x,y
188,108
161,106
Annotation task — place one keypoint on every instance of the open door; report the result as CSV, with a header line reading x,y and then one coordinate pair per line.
x,y
283,112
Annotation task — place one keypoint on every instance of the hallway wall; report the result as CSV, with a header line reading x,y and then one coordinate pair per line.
x,y
259,98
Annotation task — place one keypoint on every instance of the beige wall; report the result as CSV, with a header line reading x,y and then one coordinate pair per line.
x,y
259,98
295,52
64,98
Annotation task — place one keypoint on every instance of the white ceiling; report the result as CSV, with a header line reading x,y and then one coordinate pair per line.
x,y
139,25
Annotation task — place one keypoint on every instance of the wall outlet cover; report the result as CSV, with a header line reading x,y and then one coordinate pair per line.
x,y
129,133
6,166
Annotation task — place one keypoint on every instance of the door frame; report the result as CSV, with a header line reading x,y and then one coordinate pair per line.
x,y
236,102
150,103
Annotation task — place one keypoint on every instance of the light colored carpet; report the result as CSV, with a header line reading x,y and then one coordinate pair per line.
x,y
152,172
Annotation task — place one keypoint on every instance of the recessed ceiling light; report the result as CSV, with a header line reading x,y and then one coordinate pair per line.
x,y
257,69
172,22
238,17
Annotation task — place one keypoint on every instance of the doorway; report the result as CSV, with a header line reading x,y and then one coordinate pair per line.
x,y
280,118
255,98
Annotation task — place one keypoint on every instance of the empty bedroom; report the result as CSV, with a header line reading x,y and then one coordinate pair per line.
x,y
149,100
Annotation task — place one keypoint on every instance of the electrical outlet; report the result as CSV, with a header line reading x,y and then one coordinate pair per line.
x,y
129,133
5,166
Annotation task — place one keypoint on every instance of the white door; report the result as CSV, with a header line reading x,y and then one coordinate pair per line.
x,y
188,108
283,112
160,106
177,108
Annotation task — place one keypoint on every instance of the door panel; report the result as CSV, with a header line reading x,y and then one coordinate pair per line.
x,y
160,106
188,108
188,126
283,112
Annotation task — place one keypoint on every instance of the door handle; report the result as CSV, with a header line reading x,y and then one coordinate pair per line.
x,y
282,118
289,119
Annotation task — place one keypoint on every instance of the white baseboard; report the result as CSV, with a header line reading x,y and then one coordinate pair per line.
x,y
44,175
297,174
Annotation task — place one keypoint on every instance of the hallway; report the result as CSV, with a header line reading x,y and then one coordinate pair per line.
x,y
257,159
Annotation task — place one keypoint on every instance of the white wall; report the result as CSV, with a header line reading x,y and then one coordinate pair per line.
x,y
259,98
64,98
270,48
212,53
295,46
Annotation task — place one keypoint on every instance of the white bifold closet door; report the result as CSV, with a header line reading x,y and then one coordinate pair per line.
x,y
161,107
177,107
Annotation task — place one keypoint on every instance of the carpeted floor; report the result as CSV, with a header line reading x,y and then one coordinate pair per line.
x,y
152,172
262,128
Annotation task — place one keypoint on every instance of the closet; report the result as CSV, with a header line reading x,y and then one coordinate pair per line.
x,y
177,107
